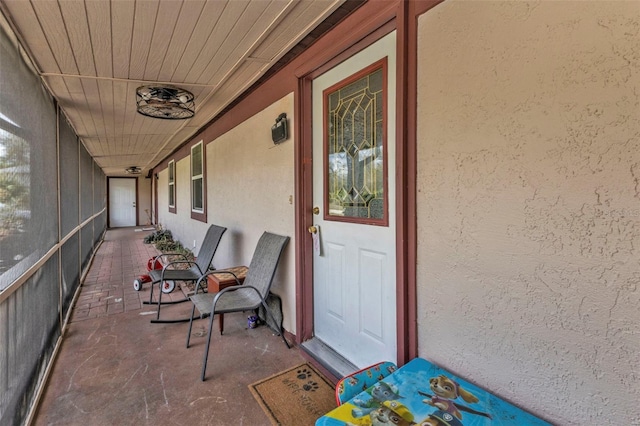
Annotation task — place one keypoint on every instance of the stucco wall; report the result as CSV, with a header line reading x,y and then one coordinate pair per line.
x,y
249,190
163,198
183,228
528,203
144,200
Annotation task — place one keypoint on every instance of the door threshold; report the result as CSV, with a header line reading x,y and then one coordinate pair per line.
x,y
328,358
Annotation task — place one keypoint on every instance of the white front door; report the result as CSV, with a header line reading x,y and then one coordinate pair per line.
x,y
354,190
122,202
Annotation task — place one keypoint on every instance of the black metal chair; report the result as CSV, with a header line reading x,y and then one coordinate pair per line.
x,y
197,269
245,297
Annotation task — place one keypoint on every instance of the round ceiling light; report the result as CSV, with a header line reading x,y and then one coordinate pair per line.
x,y
166,102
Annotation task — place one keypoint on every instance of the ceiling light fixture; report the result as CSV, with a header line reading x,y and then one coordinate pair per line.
x,y
133,170
167,102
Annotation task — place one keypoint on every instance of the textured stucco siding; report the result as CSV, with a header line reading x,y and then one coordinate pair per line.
x,y
250,190
144,201
529,203
251,186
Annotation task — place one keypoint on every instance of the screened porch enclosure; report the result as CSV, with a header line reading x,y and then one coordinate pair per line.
x,y
52,216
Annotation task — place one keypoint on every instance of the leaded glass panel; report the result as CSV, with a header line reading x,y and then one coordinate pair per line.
x,y
355,149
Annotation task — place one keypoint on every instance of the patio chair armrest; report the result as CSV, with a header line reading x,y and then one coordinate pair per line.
x,y
163,255
177,262
233,288
169,266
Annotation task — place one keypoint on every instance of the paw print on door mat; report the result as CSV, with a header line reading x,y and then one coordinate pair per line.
x,y
310,386
304,373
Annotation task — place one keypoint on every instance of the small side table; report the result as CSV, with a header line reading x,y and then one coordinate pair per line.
x,y
219,281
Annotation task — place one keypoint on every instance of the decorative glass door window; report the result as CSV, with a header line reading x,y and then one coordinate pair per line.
x,y
355,143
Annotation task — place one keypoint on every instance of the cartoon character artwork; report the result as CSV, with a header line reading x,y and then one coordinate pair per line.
x,y
392,413
361,380
440,418
423,394
381,371
380,392
445,392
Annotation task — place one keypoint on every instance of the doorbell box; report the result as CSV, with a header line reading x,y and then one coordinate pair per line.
x,y
279,132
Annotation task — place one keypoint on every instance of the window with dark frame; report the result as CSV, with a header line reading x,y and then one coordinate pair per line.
x,y
197,178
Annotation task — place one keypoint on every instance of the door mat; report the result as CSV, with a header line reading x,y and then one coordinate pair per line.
x,y
294,397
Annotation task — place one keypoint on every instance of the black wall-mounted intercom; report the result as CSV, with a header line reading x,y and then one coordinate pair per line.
x,y
279,131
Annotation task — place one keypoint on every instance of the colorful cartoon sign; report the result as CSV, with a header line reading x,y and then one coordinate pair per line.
x,y
423,394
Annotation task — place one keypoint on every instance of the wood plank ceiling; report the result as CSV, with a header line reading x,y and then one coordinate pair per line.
x,y
92,55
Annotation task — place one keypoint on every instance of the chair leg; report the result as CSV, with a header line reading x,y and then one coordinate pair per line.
x,y
268,311
159,299
206,348
193,311
151,294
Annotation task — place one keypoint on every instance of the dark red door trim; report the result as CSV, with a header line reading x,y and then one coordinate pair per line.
x,y
303,169
374,24
405,192
364,27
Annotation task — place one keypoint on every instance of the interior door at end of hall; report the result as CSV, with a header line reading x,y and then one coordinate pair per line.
x,y
354,189
122,202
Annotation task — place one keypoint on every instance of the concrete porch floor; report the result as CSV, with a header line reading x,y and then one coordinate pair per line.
x,y
116,368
